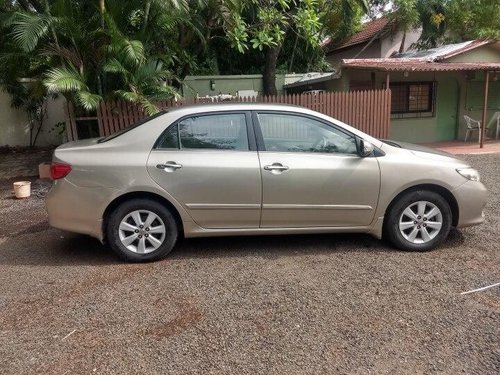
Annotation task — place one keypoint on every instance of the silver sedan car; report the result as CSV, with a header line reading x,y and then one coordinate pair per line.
x,y
250,169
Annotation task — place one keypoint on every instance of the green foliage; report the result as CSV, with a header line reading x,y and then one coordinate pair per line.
x,y
341,18
264,23
406,14
139,50
28,29
89,52
432,21
472,19
451,21
64,79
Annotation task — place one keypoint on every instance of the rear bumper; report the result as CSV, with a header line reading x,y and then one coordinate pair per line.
x,y
77,209
471,199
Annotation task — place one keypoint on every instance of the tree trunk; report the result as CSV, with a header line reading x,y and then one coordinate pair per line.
x,y
269,76
102,10
29,5
402,45
293,53
147,9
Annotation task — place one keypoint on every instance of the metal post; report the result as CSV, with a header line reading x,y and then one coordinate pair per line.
x,y
485,106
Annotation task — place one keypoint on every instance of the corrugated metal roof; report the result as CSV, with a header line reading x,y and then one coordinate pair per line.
x,y
312,77
443,52
416,65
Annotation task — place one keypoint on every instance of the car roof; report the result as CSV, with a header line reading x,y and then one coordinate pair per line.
x,y
214,107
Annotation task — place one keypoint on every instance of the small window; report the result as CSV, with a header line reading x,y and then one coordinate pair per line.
x,y
292,133
218,131
170,138
412,99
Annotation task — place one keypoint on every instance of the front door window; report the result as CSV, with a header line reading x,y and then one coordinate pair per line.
x,y
294,133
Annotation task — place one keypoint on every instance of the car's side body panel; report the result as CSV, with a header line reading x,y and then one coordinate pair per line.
x,y
319,190
218,188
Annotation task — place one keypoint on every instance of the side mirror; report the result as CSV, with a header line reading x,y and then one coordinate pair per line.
x,y
365,148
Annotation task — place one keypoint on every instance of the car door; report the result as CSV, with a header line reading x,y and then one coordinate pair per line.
x,y
209,163
312,175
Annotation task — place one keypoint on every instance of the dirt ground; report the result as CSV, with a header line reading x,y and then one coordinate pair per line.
x,y
346,304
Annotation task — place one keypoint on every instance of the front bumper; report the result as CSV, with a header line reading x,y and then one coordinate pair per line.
x,y
471,198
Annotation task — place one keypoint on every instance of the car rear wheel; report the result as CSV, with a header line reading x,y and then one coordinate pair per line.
x,y
141,230
419,221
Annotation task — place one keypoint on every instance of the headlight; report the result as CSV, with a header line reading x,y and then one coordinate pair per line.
x,y
469,173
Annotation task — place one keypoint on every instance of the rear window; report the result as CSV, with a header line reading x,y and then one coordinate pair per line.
x,y
130,127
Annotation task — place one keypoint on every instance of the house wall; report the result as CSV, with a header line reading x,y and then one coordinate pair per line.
x,y
230,84
453,93
14,129
488,53
383,47
372,51
392,42
425,129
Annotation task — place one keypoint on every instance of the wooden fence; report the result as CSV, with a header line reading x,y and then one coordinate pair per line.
x,y
368,111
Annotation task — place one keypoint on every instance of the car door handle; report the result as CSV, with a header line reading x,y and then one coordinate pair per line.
x,y
169,164
276,167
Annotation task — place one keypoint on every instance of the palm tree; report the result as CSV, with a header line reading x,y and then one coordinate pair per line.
x,y
79,43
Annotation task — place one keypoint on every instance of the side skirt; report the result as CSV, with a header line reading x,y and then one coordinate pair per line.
x,y
192,230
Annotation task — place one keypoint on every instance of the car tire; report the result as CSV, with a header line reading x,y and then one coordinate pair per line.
x,y
141,230
418,221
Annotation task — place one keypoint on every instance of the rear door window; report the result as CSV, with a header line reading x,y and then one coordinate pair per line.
x,y
216,132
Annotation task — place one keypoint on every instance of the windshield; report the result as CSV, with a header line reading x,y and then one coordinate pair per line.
x,y
130,127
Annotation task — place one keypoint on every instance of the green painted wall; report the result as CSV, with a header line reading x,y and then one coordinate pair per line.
x,y
447,102
230,84
490,53
452,91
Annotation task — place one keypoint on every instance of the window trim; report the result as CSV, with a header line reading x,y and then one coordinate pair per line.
x,y
261,147
431,102
252,144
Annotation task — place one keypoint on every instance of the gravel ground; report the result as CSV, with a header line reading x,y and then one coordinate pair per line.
x,y
296,304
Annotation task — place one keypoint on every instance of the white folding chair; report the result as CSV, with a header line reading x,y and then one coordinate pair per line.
x,y
472,125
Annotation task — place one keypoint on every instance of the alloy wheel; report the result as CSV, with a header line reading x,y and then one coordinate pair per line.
x,y
420,222
142,231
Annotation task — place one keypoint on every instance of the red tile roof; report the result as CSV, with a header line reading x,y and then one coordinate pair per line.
x,y
416,65
370,30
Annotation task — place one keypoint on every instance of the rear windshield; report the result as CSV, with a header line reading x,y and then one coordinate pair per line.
x,y
130,127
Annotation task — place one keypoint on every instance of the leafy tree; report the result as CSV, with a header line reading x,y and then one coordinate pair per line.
x,y
432,20
472,19
264,25
90,51
450,21
406,15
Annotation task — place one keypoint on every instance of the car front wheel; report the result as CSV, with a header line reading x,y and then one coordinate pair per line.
x,y
419,221
141,230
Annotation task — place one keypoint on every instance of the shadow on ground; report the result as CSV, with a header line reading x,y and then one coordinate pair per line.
x,y
42,245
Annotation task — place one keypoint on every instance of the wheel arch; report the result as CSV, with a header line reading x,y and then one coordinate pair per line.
x,y
445,193
141,195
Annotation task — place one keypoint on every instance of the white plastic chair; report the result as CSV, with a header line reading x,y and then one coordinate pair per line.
x,y
472,125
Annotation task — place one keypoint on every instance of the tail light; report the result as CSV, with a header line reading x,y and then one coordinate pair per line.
x,y
59,170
